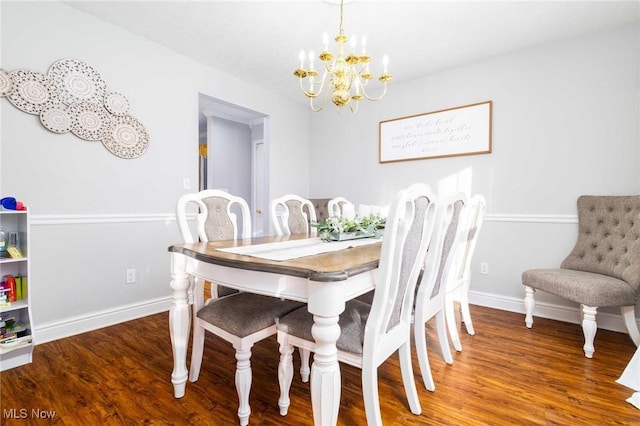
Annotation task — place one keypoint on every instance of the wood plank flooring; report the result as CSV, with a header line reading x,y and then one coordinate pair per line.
x,y
505,375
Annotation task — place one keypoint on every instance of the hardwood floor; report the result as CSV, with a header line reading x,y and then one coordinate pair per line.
x,y
505,375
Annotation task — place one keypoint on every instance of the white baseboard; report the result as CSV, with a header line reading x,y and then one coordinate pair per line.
x,y
605,320
80,324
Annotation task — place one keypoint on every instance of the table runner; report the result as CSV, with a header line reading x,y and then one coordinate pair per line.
x,y
293,249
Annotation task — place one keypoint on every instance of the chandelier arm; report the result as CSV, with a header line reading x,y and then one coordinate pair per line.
x,y
371,98
306,93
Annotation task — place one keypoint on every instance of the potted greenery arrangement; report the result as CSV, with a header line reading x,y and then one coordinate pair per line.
x,y
336,228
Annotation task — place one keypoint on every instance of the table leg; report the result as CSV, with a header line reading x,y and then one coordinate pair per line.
x,y
326,303
179,323
325,371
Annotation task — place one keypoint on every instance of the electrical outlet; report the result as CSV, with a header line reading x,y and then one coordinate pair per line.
x,y
484,268
131,276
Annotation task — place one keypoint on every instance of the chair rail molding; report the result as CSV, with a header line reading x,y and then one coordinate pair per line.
x,y
71,219
81,219
532,218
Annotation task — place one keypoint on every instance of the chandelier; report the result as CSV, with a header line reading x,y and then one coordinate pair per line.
x,y
345,77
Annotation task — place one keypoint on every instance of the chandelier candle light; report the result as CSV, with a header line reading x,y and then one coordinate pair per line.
x,y
347,76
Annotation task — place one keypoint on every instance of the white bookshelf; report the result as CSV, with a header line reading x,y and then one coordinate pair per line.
x,y
18,351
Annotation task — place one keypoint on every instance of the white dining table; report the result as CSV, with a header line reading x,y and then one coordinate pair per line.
x,y
325,281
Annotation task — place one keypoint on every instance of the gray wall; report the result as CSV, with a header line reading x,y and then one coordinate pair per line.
x,y
95,215
565,123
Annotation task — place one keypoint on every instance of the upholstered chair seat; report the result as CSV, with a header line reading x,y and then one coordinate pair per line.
x,y
242,314
352,322
587,288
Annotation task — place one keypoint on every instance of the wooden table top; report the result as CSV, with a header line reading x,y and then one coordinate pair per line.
x,y
333,266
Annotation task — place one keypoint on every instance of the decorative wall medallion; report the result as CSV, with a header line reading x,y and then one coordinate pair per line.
x,y
77,80
56,119
33,91
127,138
116,103
6,85
89,120
73,97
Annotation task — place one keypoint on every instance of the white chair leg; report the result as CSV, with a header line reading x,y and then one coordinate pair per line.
x,y
421,349
197,350
629,315
466,314
243,384
404,352
589,328
441,327
370,392
285,376
451,322
305,368
529,305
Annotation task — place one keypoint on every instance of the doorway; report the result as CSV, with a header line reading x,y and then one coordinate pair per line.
x,y
233,155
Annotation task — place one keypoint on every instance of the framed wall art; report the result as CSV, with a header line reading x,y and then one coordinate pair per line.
x,y
463,130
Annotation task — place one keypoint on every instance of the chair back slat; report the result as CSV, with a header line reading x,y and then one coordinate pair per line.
x,y
407,233
217,217
292,214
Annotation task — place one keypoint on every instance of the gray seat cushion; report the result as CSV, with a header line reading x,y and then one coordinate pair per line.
x,y
587,288
352,322
242,314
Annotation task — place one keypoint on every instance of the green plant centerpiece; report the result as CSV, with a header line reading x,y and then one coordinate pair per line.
x,y
337,228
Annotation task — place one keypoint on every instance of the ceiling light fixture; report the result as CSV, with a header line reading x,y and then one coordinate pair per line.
x,y
345,75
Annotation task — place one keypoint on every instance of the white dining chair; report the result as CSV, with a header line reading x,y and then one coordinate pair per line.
x,y
459,278
430,296
340,206
292,214
370,334
240,318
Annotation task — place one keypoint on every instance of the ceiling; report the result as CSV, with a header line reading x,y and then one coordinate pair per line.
x,y
259,41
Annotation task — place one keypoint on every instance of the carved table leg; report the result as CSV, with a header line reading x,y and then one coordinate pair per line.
x,y
179,323
326,303
325,371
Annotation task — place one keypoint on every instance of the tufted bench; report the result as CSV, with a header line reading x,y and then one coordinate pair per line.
x,y
602,270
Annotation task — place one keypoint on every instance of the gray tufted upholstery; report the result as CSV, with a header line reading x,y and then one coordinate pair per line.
x,y
603,269
322,210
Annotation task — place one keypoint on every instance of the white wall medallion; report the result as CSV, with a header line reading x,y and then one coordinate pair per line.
x,y
56,119
6,85
33,91
116,103
89,120
77,80
73,97
127,138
